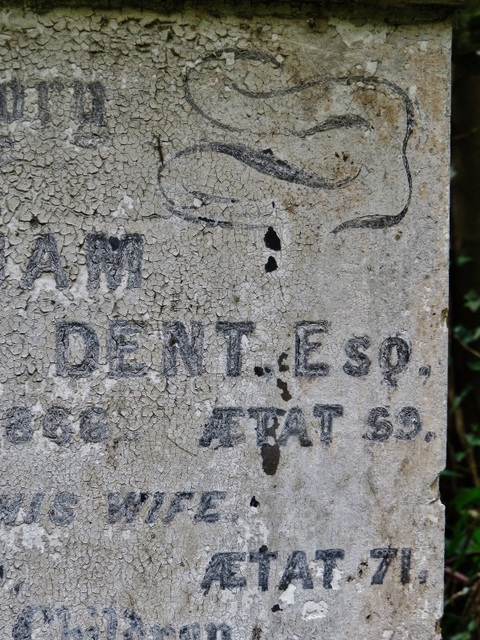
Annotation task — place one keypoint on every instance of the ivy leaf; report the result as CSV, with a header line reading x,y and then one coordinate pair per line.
x,y
446,473
467,497
466,335
460,398
472,300
472,439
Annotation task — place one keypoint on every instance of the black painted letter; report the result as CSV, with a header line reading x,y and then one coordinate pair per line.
x,y
304,349
206,509
176,505
329,557
10,506
191,351
379,428
361,360
263,416
128,507
14,111
95,114
214,629
391,365
61,512
119,346
295,425
56,426
234,331
296,569
93,425
222,426
263,557
326,413
223,567
114,255
18,425
386,554
45,259
408,417
23,627
89,361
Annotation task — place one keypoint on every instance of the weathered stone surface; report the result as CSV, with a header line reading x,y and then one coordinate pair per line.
x,y
223,261
250,6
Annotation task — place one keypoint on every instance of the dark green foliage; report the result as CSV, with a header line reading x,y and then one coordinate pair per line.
x,y
460,482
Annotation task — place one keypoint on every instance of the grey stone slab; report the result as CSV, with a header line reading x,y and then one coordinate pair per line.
x,y
223,326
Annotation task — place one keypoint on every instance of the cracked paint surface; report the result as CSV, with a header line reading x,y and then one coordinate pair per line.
x,y
223,278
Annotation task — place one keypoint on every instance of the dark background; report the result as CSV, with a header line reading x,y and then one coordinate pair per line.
x,y
460,483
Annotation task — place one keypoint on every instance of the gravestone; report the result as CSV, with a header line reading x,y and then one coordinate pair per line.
x,y
223,256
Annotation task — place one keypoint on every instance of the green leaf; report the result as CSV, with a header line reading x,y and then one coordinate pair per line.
x,y
472,439
476,545
446,473
461,260
472,300
466,497
459,331
466,335
460,398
